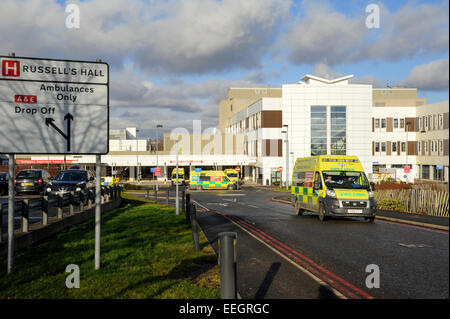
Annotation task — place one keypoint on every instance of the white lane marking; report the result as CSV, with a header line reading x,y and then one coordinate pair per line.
x,y
201,205
414,245
252,206
231,194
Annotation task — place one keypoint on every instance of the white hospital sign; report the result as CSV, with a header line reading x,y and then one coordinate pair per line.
x,y
53,106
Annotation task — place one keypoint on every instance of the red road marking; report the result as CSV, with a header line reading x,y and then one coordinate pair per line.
x,y
318,270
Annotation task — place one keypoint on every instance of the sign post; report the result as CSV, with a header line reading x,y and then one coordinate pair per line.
x,y
62,107
176,187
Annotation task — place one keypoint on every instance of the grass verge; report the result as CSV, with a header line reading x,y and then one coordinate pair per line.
x,y
147,252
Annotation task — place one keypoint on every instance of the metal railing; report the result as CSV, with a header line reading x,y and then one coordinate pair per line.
x,y
57,206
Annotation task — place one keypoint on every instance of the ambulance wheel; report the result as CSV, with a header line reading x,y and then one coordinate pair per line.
x,y
298,210
322,216
201,187
369,219
230,187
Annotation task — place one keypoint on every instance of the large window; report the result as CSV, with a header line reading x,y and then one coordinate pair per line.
x,y
383,123
338,130
318,130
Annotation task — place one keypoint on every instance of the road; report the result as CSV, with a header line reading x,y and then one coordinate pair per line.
x,y
281,255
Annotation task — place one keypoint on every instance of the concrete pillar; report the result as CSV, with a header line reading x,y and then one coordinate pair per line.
x,y
431,172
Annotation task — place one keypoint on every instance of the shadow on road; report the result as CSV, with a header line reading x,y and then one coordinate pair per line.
x,y
265,285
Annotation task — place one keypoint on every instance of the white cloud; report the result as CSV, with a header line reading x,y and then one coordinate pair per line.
x,y
325,35
193,36
430,76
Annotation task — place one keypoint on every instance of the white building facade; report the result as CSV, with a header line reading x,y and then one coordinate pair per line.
x,y
328,117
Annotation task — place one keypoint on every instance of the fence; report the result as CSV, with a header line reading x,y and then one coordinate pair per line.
x,y
68,202
426,199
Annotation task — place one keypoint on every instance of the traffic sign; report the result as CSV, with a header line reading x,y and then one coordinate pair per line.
x,y
407,169
53,106
158,171
198,170
237,169
280,169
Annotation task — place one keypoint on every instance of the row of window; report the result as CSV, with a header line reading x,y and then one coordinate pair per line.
x,y
381,147
435,146
431,122
397,123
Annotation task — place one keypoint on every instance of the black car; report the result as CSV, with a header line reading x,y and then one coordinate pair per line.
x,y
71,180
3,183
31,181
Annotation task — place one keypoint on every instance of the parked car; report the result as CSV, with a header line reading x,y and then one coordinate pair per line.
x,y
70,180
3,183
31,181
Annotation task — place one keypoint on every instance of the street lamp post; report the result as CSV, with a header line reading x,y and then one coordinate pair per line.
x,y
285,130
137,157
157,136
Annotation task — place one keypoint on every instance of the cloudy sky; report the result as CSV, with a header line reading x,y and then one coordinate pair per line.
x,y
172,61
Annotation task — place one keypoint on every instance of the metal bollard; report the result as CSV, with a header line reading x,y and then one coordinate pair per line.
x,y
148,195
156,194
188,213
25,215
71,201
194,225
60,206
81,203
187,207
227,261
167,197
183,200
44,210
1,222
89,202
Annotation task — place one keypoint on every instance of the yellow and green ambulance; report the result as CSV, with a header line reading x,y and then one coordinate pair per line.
x,y
332,185
210,180
233,175
180,180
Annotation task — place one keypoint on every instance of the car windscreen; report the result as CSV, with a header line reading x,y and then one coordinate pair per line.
x,y
232,175
71,176
345,179
28,174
